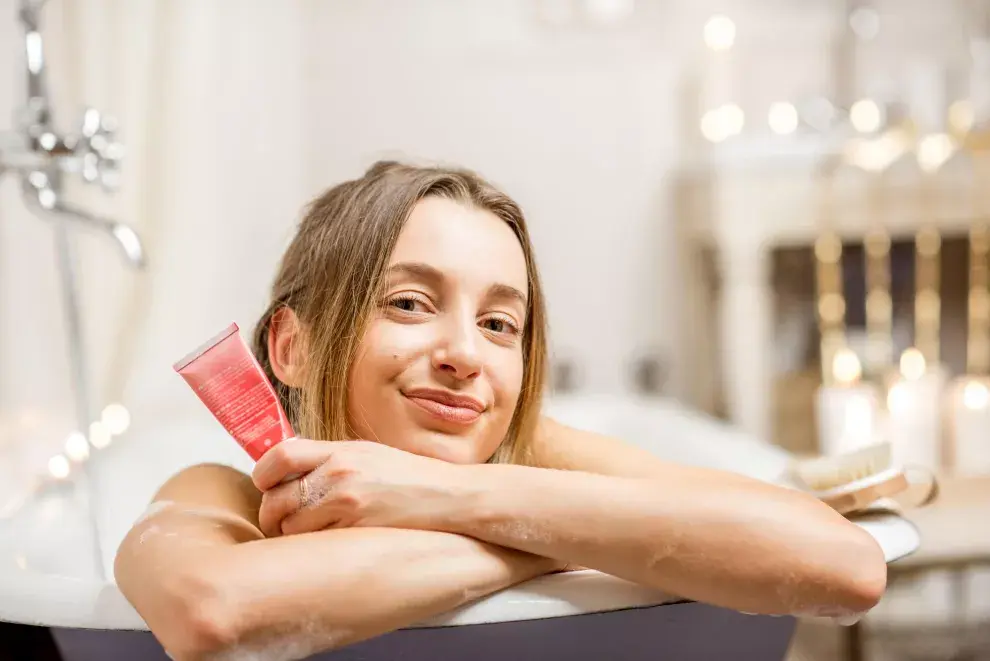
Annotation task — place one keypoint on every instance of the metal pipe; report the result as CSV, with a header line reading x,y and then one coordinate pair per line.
x,y
37,88
69,277
41,194
43,188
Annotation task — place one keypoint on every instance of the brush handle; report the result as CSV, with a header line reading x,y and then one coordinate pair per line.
x,y
860,498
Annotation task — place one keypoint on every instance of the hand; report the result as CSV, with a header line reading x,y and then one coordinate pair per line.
x,y
314,485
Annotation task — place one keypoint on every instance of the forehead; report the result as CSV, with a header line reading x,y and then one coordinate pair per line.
x,y
462,241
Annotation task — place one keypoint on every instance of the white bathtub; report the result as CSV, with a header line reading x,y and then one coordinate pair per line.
x,y
56,558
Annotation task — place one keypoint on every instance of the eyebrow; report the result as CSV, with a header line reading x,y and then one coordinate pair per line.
x,y
508,293
434,276
417,270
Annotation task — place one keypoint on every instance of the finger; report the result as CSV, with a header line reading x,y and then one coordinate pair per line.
x,y
311,519
288,458
278,503
318,509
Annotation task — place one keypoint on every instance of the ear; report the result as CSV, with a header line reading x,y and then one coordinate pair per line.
x,y
287,347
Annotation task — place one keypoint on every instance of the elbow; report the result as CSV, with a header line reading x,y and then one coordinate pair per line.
x,y
868,580
858,581
206,635
202,620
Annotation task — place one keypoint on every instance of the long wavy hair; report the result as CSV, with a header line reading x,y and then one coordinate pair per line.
x,y
333,277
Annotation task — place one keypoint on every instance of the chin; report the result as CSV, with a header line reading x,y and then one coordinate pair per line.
x,y
447,447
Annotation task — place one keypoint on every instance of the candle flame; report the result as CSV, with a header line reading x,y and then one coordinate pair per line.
x,y
898,398
913,364
976,396
846,367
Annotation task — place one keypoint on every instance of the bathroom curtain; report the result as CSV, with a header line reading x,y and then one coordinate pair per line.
x,y
211,107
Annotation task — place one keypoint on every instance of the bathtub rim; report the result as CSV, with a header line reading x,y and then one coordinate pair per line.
x,y
90,603
53,600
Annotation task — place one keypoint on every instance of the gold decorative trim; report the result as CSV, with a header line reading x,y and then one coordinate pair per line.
x,y
879,303
978,306
830,299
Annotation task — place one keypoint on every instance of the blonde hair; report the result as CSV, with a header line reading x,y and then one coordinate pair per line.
x,y
333,277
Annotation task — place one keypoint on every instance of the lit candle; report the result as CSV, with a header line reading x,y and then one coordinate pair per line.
x,y
914,412
970,420
720,36
848,412
721,117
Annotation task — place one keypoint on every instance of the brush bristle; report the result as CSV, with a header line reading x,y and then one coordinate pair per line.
x,y
826,473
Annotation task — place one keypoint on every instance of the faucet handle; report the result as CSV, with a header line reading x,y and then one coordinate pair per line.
x,y
100,152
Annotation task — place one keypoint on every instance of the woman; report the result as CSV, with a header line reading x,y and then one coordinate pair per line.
x,y
408,313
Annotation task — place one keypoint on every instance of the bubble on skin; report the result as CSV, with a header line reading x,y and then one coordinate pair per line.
x,y
795,606
306,638
520,531
788,589
154,509
665,549
148,533
159,507
310,637
318,490
847,620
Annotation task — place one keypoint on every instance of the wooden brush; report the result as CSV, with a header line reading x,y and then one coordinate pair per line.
x,y
853,481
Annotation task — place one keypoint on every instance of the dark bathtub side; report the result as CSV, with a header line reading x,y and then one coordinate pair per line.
x,y
675,632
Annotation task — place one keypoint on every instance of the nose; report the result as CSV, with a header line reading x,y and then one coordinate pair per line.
x,y
458,352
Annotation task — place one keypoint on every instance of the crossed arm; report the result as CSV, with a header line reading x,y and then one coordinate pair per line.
x,y
207,582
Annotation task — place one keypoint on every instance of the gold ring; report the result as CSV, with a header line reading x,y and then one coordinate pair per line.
x,y
303,493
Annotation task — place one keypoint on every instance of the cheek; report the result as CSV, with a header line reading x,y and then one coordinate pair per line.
x,y
380,357
385,353
505,374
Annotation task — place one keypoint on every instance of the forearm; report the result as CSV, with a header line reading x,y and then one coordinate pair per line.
x,y
738,544
333,588
206,598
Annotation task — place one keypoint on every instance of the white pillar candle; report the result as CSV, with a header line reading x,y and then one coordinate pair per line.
x,y
848,417
927,95
914,419
970,423
718,86
746,320
719,77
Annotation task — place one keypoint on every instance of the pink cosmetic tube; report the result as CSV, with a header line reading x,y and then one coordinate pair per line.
x,y
227,378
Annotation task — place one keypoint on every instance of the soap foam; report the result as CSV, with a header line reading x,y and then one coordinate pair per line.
x,y
154,509
788,594
216,514
318,488
148,533
519,531
309,637
665,548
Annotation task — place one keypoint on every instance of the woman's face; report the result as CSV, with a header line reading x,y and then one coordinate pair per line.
x,y
440,367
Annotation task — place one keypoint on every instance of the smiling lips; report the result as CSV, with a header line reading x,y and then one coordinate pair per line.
x,y
447,406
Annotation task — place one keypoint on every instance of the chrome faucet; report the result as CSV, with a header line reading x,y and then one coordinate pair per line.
x,y
40,155
41,158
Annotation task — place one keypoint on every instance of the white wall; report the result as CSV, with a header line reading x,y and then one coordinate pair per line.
x,y
578,130
237,112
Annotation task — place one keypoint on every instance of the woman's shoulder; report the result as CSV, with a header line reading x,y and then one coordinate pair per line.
x,y
548,447
214,486
560,446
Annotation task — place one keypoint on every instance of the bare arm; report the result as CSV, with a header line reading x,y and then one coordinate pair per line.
x,y
702,534
208,584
